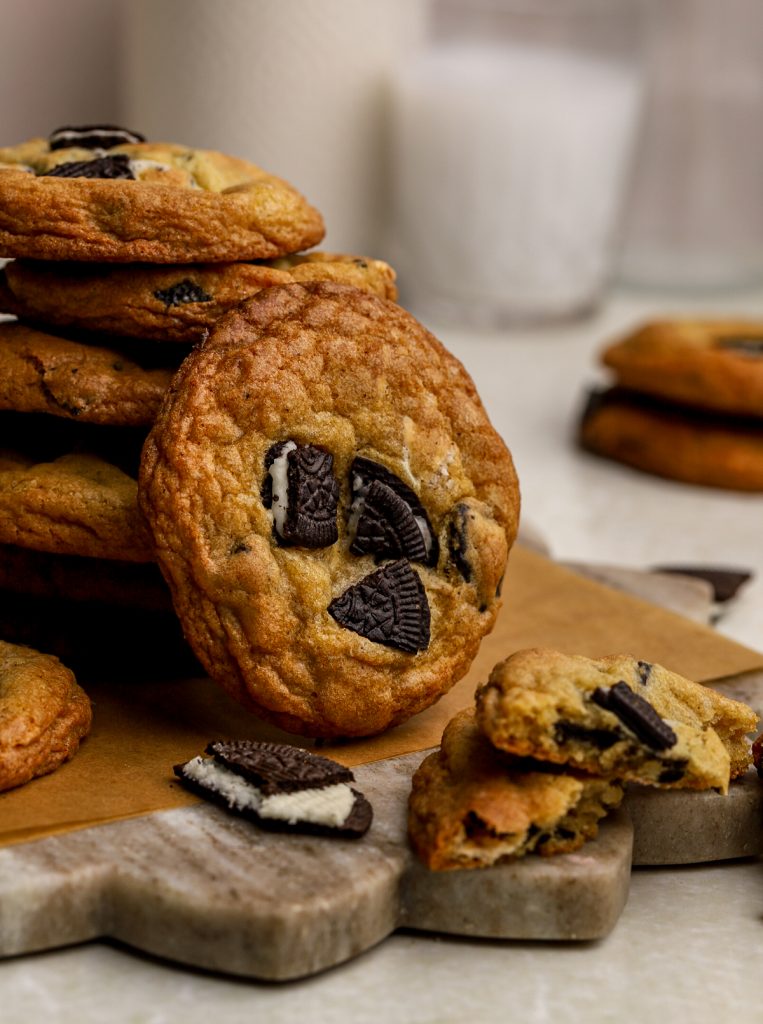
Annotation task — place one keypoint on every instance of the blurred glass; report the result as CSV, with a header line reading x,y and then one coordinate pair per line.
x,y
696,217
512,140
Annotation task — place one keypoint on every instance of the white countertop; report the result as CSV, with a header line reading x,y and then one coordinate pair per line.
x,y
689,943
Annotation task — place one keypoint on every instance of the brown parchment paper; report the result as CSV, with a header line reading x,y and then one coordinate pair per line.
x,y
142,728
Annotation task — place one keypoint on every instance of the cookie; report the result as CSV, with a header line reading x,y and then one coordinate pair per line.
x,y
279,787
116,384
331,508
175,303
471,806
616,716
44,714
674,442
711,364
77,579
70,488
79,195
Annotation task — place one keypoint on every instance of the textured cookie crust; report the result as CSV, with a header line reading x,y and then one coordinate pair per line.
x,y
168,303
557,707
44,714
330,366
673,442
470,806
711,364
184,206
40,372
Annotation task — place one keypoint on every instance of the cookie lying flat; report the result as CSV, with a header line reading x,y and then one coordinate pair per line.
x,y
91,383
712,364
105,194
470,806
44,714
167,303
674,442
331,508
616,716
279,787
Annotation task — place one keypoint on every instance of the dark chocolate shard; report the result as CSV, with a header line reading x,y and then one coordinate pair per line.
x,y
117,166
272,772
278,767
458,541
743,344
363,473
92,136
603,739
644,670
637,714
673,773
725,582
387,528
389,607
181,293
305,502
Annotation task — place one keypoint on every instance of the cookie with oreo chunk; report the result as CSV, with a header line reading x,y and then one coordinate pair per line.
x,y
100,193
472,806
615,716
325,606
279,787
177,303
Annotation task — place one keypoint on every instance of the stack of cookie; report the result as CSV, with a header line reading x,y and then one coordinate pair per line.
x,y
687,403
552,742
124,253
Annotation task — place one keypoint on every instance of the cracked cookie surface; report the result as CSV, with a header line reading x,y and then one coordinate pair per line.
x,y
616,716
472,806
44,714
228,486
168,303
158,202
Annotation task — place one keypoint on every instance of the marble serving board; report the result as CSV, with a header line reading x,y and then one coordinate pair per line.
x,y
202,887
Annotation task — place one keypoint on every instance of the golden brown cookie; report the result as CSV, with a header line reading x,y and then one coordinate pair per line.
x,y
674,442
711,364
90,196
69,488
119,384
167,303
331,508
472,806
44,714
617,717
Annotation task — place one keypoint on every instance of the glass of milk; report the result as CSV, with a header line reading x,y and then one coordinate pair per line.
x,y
511,149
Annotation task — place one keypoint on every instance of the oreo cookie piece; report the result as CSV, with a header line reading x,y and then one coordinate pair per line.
x,y
637,714
387,520
117,166
302,492
279,787
181,293
92,136
389,607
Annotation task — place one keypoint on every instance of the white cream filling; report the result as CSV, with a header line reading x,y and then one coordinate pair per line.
x,y
279,475
330,806
139,167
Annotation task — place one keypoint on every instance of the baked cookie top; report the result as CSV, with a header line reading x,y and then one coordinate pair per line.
x,y
711,364
472,806
615,716
103,193
168,303
91,383
44,714
332,509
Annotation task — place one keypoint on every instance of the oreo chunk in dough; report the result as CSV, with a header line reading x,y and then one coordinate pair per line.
x,y
387,520
302,492
389,607
279,787
183,292
117,166
91,136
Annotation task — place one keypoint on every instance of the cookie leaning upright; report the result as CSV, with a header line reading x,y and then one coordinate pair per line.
x,y
106,194
332,509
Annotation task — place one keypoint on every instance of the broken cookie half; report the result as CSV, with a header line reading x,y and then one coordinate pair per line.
x,y
279,787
